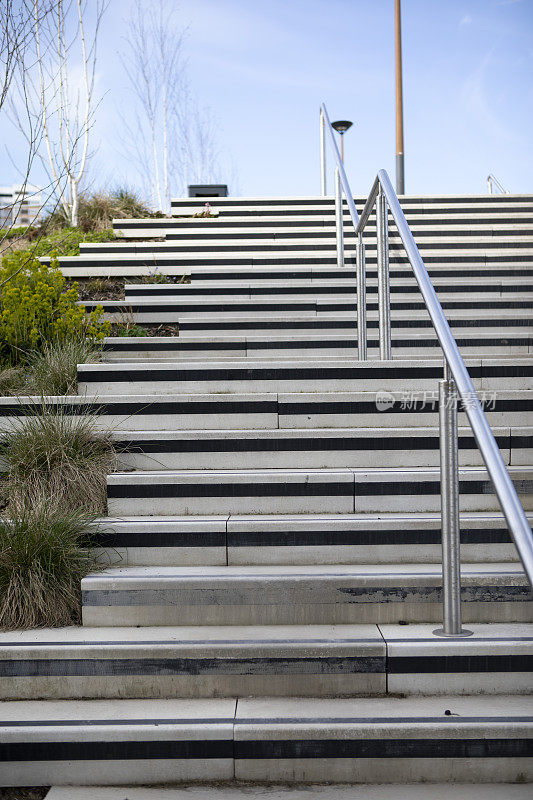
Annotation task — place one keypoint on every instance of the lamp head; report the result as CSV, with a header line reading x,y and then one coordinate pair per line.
x,y
342,125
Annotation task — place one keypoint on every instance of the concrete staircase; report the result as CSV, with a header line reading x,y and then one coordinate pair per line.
x,y
277,520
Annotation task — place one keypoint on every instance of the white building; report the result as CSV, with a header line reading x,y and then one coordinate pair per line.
x,y
20,205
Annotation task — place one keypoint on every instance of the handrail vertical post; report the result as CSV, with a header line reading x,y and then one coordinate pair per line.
x,y
450,519
323,185
382,229
361,298
339,220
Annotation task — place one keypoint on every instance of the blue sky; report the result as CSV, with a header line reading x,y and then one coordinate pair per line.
x,y
264,66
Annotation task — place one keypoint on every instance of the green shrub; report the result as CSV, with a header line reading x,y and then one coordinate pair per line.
x,y
130,330
43,557
52,456
14,233
35,308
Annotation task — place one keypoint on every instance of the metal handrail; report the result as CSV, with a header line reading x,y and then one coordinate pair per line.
x,y
503,485
455,375
324,121
492,180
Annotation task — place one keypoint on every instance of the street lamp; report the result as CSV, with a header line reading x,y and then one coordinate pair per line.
x,y
341,126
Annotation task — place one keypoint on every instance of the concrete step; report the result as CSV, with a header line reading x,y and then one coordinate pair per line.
x,y
296,539
486,285
116,741
405,345
440,209
315,243
333,375
402,323
407,201
202,661
308,448
512,265
263,256
300,595
302,491
269,410
269,660
381,740
173,310
365,740
247,228
326,275
159,228
245,791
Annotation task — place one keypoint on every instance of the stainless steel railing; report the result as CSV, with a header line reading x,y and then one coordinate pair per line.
x,y
456,381
494,182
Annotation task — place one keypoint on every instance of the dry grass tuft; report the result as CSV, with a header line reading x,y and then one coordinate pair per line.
x,y
54,370
97,210
51,457
12,381
43,557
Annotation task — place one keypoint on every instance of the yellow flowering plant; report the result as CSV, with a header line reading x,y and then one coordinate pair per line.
x,y
36,308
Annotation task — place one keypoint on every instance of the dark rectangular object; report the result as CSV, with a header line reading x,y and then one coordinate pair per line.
x,y
208,190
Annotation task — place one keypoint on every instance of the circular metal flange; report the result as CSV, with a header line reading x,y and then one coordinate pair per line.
x,y
464,632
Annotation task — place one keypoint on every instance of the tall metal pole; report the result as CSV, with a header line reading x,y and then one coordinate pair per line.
x,y
382,228
449,492
323,186
339,219
400,176
361,299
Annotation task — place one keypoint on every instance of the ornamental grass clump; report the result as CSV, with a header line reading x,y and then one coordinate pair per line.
x,y
54,369
97,210
12,381
44,554
53,457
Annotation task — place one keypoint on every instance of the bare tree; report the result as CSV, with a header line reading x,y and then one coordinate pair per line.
x,y
172,140
198,138
34,87
17,56
16,22
66,110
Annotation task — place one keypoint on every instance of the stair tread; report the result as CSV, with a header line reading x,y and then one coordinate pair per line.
x,y
288,712
30,641
304,519
404,791
384,572
388,472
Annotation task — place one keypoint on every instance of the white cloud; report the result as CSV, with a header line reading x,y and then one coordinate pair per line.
x,y
465,20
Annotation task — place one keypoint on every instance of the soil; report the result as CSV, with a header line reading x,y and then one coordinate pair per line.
x,y
99,289
112,288
168,329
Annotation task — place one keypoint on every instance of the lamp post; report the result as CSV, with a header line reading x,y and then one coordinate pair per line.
x,y
400,176
341,126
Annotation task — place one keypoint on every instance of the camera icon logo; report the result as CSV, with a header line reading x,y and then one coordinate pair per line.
x,y
384,400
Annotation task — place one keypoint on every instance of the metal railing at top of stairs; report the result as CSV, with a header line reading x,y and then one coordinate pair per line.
x,y
456,379
494,182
